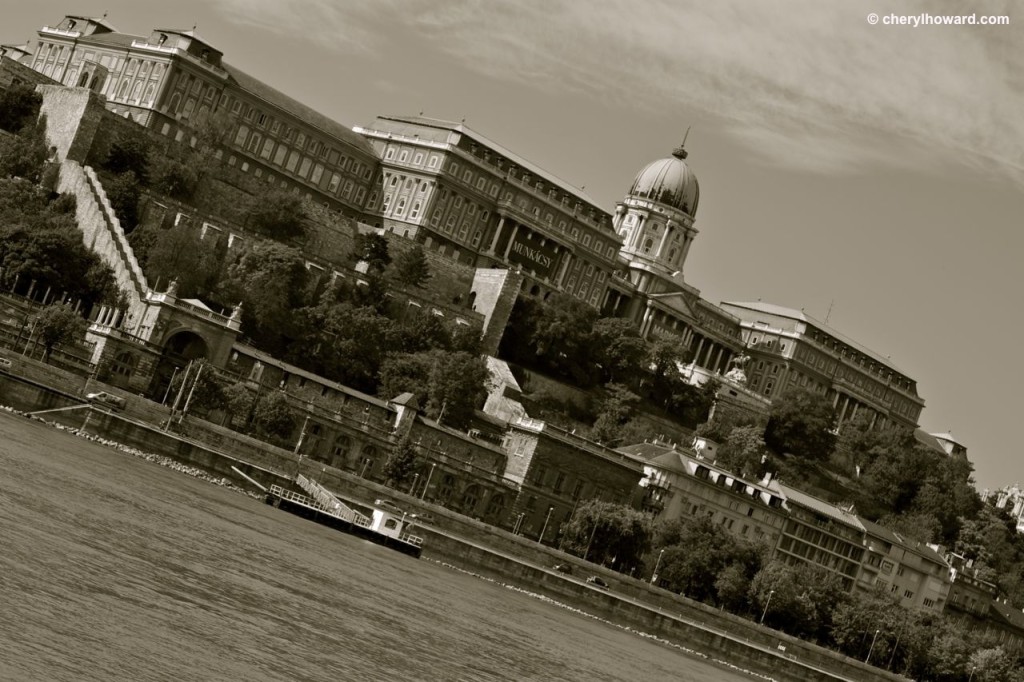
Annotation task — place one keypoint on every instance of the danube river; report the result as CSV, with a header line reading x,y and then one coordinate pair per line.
x,y
115,568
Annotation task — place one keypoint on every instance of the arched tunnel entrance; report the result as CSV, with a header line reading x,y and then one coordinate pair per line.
x,y
180,349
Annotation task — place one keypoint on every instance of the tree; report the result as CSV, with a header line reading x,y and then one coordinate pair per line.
x,y
561,337
608,533
56,325
178,254
177,178
619,349
24,155
130,152
278,214
743,451
800,422
124,192
238,400
401,462
617,409
372,249
697,554
274,417
270,280
19,107
410,267
451,385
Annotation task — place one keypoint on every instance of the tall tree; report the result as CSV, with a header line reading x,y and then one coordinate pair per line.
x,y
609,534
410,267
56,325
618,349
401,462
19,107
801,423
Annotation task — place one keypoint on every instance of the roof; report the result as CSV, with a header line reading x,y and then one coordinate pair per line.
x,y
670,461
1010,614
196,302
820,506
646,451
188,33
463,129
115,39
928,440
314,118
782,311
101,21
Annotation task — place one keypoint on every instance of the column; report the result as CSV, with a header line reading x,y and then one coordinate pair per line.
x,y
645,321
696,353
511,238
497,235
566,257
718,359
638,231
669,227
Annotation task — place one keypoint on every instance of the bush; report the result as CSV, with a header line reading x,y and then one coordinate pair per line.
x,y
124,192
130,153
19,106
177,179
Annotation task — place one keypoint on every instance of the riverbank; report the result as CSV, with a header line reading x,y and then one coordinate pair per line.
x,y
474,547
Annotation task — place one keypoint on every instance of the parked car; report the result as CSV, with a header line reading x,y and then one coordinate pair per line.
x,y
104,398
5,363
563,568
597,581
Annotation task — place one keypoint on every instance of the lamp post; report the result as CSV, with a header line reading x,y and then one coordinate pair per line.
x,y
871,648
429,476
765,612
415,479
591,540
167,393
654,575
544,529
302,435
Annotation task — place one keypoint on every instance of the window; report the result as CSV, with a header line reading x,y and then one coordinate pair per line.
x,y
908,594
390,154
304,167
293,160
279,156
268,148
334,183
433,162
419,159
400,209
254,142
318,172
404,156
415,211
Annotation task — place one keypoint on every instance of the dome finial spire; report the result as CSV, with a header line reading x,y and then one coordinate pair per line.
x,y
680,151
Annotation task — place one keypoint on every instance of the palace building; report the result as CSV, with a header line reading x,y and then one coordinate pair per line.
x,y
470,199
790,348
173,80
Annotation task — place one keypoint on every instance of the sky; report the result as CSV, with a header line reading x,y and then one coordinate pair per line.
x,y
867,173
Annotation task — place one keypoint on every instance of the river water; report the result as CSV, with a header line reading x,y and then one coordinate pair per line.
x,y
115,568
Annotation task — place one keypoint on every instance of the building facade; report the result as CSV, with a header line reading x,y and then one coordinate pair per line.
x,y
681,484
458,192
790,348
172,81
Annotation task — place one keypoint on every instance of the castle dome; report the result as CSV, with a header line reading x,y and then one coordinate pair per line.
x,y
669,181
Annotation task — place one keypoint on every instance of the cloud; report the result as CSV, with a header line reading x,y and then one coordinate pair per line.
x,y
806,84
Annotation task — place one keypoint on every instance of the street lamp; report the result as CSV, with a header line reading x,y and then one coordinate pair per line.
x,y
429,476
415,479
765,612
545,527
654,575
871,648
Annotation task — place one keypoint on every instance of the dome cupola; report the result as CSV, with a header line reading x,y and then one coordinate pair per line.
x,y
669,181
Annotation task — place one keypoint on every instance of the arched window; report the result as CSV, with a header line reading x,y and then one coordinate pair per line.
x,y
470,498
495,507
648,245
175,103
444,491
150,93
137,91
84,79
122,92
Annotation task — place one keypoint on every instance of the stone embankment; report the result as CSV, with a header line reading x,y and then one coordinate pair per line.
x,y
471,546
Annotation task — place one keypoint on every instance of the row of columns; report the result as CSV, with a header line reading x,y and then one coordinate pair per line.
x,y
847,408
565,255
110,316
